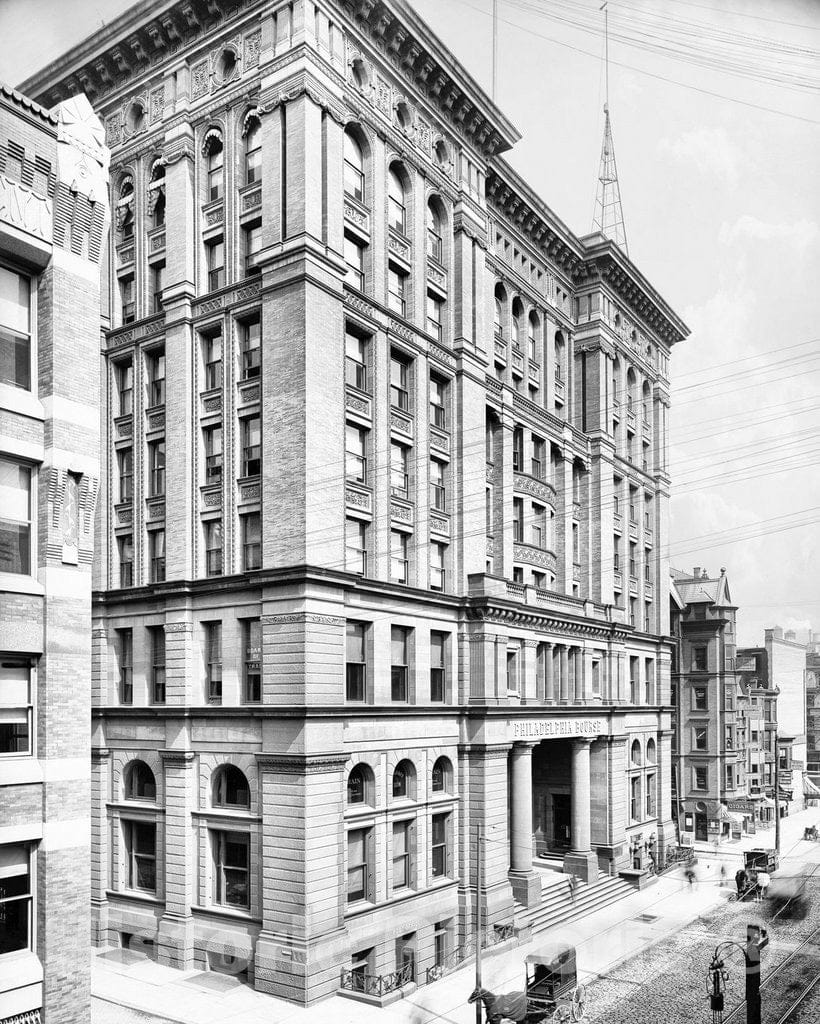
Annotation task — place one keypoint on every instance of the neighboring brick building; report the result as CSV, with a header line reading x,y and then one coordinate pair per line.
x,y
53,210
709,721
813,710
383,510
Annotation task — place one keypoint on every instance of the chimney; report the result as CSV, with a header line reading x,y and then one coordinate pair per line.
x,y
790,634
704,575
696,573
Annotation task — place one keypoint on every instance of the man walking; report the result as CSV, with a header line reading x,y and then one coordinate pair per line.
x,y
740,882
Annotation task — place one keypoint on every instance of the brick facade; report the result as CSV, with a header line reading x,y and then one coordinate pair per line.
x,y
548,355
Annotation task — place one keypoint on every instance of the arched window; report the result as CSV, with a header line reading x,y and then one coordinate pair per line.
x,y
396,211
215,158
630,389
360,785
253,150
360,73
140,783
500,298
156,194
635,755
442,778
404,779
559,356
354,167
125,209
647,401
230,788
650,751
434,244
532,337
517,313
616,378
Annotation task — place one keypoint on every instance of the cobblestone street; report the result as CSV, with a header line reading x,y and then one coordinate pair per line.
x,y
668,981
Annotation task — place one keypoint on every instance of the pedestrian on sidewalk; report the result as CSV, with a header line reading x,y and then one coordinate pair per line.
x,y
691,877
573,885
722,875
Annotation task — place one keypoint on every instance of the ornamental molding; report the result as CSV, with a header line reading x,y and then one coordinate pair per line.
x,y
327,620
301,764
100,754
436,352
179,627
486,752
533,556
177,758
528,616
537,488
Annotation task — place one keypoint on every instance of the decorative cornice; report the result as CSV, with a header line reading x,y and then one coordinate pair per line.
x,y
302,764
100,754
527,616
487,751
177,758
327,620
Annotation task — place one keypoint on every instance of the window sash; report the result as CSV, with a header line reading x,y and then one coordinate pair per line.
x,y
16,707
440,845
142,856
252,664
15,517
231,869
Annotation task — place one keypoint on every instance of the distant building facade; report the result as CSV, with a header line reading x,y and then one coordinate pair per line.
x,y
709,727
383,510
813,711
53,212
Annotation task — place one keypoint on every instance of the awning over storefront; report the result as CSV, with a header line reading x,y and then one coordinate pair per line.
x,y
809,788
767,802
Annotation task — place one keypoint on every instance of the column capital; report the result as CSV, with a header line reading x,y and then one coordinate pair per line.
x,y
301,764
525,745
99,754
579,742
177,758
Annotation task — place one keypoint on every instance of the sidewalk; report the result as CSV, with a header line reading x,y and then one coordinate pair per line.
x,y
791,835
602,939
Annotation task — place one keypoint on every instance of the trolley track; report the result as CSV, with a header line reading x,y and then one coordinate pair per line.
x,y
785,985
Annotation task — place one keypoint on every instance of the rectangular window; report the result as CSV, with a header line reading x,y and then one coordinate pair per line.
x,y
231,869
440,845
356,546
355,662
437,571
699,659
251,446
124,380
212,437
701,777
518,450
441,943
16,906
539,527
359,841
125,664
16,709
438,495
156,554
700,737
399,668
438,673
252,244
15,518
537,464
518,519
650,796
252,664
15,329
156,469
398,470
398,556
355,453
438,397
397,290
215,262
127,302
213,661
253,155
212,359
355,361
435,312
213,547
399,387
157,285
156,378
401,854
635,798
250,346
512,670
125,468
354,258
125,550
216,159
251,541
157,647
141,850
700,700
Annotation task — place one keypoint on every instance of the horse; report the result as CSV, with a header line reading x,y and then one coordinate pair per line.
x,y
506,1006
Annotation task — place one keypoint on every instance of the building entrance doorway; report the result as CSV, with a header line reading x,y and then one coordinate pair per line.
x,y
561,819
701,832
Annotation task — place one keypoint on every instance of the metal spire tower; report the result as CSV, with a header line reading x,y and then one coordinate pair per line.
x,y
609,215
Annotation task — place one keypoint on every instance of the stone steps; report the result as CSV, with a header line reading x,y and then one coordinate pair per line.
x,y
558,907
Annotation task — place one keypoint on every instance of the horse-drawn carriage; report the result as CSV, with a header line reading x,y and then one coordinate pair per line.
x,y
552,991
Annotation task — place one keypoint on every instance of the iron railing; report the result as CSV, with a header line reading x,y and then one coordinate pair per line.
x,y
456,957
377,984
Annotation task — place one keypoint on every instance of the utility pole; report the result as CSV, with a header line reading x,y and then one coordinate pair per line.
x,y
495,47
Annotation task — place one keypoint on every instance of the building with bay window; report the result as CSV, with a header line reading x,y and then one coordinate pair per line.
x,y
383,510
53,213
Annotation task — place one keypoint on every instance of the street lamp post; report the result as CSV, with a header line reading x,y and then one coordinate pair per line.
x,y
478,867
756,941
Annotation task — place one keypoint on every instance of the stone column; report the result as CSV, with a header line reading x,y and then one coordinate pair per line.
x,y
563,673
526,884
176,927
549,674
100,843
581,860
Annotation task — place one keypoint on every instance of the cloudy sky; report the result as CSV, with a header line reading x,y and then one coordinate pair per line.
x,y
716,117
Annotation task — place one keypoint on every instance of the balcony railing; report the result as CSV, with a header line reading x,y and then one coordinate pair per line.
x,y
377,984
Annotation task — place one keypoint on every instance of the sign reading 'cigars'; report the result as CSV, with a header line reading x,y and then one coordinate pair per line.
x,y
547,728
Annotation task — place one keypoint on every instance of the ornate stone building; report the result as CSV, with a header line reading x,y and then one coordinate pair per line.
x,y
53,213
384,501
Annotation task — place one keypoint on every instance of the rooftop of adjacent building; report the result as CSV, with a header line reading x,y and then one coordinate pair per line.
x,y
12,97
698,587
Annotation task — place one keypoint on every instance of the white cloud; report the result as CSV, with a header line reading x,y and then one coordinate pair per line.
x,y
800,234
709,149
